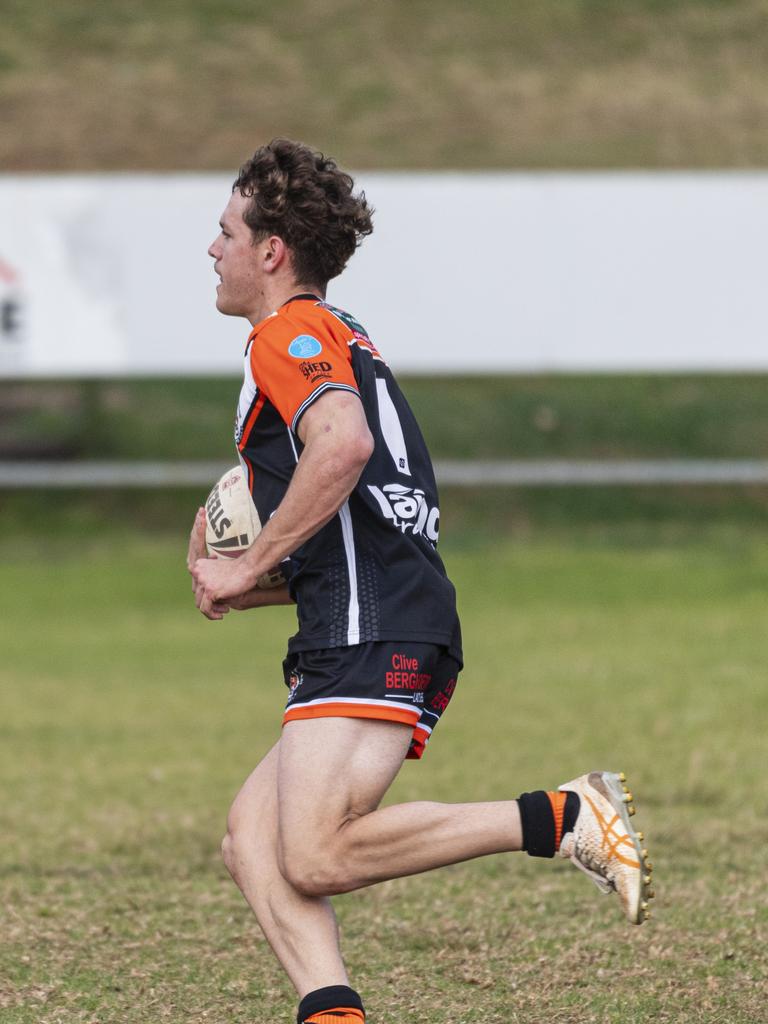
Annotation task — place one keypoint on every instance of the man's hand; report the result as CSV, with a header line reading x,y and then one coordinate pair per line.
x,y
197,548
253,597
195,552
218,582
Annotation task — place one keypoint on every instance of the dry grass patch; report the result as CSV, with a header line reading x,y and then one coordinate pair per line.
x,y
394,84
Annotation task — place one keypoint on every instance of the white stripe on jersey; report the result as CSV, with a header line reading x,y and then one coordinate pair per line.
x,y
293,445
391,428
353,616
248,394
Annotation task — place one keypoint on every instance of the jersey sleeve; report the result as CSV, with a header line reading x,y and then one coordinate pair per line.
x,y
294,363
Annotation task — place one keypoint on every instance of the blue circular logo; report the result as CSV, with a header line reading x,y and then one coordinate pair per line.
x,y
304,347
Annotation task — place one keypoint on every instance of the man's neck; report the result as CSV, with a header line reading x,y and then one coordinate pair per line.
x,y
274,297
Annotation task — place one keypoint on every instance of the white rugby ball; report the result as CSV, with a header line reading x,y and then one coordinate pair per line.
x,y
232,522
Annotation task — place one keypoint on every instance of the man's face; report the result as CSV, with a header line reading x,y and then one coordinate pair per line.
x,y
239,263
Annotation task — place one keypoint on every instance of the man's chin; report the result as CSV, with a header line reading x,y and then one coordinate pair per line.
x,y
225,307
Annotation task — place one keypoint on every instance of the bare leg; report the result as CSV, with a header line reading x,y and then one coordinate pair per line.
x,y
333,773
307,825
300,929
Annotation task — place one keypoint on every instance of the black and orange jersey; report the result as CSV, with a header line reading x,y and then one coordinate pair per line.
x,y
372,572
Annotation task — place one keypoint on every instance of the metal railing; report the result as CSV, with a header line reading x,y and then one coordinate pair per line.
x,y
497,473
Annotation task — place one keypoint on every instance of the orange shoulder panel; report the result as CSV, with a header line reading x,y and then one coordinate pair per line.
x,y
299,353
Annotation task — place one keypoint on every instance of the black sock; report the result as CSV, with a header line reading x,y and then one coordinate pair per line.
x,y
571,812
328,998
537,817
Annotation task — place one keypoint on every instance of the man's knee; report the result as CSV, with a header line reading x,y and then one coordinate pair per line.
x,y
228,854
316,871
312,876
241,849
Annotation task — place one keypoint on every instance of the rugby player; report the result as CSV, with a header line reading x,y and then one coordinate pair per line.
x,y
343,482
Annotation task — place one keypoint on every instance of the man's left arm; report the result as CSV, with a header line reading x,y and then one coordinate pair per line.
x,y
337,445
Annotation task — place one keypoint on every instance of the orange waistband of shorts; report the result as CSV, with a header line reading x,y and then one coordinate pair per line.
x,y
351,709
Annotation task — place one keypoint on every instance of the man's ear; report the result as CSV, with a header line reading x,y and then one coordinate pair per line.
x,y
275,253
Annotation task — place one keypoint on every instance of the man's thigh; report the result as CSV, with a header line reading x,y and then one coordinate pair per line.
x,y
253,813
332,770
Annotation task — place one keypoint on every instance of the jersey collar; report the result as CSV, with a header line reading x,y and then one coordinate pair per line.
x,y
302,295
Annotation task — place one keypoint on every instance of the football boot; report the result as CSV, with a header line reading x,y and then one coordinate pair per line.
x,y
604,845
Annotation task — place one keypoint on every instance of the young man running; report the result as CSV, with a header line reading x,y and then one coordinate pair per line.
x,y
343,482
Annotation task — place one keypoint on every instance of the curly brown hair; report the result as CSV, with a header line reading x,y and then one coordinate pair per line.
x,y
302,196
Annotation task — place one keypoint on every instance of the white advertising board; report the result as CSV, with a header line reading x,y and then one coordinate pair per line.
x,y
465,273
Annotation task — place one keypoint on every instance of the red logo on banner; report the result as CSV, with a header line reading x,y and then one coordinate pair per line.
x,y
10,303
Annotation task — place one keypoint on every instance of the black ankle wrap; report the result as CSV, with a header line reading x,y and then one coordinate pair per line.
x,y
538,823
328,999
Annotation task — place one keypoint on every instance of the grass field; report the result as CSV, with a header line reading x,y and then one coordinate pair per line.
x,y
128,722
403,83
566,416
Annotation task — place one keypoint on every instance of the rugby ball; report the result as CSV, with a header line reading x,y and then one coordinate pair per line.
x,y
232,522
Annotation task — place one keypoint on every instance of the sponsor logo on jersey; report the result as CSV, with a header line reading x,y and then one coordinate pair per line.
x,y
305,347
441,701
407,509
316,371
405,675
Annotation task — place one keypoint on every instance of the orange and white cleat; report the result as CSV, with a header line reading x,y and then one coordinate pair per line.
x,y
604,845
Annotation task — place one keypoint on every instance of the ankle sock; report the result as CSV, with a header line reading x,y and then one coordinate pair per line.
x,y
546,817
335,1004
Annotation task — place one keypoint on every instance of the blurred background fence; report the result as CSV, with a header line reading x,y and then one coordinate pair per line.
x,y
570,200
513,275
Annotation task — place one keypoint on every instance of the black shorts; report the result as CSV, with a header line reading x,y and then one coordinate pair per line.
x,y
403,682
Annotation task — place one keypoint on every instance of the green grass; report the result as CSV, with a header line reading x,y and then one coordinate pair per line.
x,y
603,416
127,723
406,83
